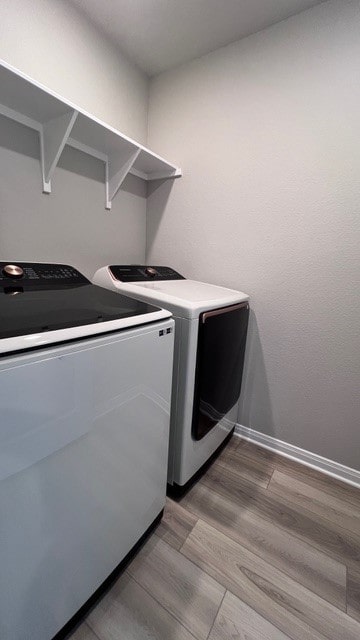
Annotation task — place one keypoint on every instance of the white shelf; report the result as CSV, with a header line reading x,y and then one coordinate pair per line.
x,y
59,122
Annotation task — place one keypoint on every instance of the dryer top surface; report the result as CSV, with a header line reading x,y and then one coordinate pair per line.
x,y
187,298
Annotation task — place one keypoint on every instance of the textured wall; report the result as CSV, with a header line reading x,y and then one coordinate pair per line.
x,y
70,225
55,45
267,132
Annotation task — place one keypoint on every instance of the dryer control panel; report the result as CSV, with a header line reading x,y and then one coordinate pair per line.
x,y
143,273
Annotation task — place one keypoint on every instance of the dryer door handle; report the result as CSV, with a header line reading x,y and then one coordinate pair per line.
x,y
218,312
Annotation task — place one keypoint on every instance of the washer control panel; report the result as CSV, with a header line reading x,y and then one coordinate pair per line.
x,y
30,273
142,273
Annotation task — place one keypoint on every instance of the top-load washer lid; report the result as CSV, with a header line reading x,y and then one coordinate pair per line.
x,y
50,303
164,286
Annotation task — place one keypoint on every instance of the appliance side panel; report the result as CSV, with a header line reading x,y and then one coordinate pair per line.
x,y
176,405
86,438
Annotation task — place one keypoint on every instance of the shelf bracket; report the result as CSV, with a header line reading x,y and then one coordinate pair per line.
x,y
165,175
116,170
53,137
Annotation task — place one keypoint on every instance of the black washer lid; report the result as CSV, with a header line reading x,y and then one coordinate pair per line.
x,y
54,297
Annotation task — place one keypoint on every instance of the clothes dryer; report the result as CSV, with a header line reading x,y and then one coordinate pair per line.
x,y
210,336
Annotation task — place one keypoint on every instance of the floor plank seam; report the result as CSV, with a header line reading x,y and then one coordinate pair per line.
x,y
331,468
329,495
245,479
301,512
259,613
217,613
162,605
316,518
310,626
272,473
192,528
299,468
91,629
306,542
178,545
269,563
263,617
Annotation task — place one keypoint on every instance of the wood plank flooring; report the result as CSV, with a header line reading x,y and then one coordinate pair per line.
x,y
261,548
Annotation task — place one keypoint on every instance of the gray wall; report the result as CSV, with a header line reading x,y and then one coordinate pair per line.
x,y
267,132
70,225
55,45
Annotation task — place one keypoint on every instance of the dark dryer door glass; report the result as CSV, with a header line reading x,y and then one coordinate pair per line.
x,y
220,363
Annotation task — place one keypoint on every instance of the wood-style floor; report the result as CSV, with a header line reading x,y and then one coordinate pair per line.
x,y
261,548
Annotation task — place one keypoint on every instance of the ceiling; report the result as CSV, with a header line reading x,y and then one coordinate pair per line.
x,y
160,34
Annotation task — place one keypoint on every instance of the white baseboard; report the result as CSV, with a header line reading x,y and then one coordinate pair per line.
x,y
330,467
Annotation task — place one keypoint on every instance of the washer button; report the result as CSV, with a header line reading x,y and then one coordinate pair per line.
x,y
13,271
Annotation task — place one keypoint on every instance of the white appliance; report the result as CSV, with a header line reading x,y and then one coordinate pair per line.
x,y
210,335
85,384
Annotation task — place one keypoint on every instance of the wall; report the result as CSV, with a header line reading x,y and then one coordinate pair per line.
x,y
267,132
56,45
52,43
70,225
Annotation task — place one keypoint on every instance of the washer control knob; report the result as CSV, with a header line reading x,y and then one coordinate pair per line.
x,y
13,271
150,271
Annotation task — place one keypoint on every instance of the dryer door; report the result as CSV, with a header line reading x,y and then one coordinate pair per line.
x,y
220,363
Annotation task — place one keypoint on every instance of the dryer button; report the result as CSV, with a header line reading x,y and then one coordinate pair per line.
x,y
150,271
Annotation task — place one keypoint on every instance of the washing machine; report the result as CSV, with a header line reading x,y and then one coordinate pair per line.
x,y
210,336
85,389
